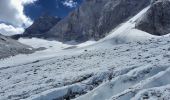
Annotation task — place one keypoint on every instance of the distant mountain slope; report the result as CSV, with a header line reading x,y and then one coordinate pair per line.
x,y
10,47
95,19
39,27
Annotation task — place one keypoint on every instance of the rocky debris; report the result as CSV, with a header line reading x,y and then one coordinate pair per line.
x,y
156,21
10,47
95,19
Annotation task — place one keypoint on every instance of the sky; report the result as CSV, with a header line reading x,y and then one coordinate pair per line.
x,y
16,15
58,8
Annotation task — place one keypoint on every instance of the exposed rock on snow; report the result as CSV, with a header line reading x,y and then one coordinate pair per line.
x,y
10,47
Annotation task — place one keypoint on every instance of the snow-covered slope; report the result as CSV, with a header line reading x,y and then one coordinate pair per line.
x,y
37,43
120,71
126,32
53,48
106,70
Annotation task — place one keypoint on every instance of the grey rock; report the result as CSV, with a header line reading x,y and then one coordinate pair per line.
x,y
10,47
157,19
94,19
39,27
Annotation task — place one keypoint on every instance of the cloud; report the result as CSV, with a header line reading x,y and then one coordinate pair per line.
x,y
70,3
9,30
12,12
28,1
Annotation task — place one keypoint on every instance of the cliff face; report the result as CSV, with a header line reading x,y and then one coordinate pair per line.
x,y
157,19
41,25
81,24
95,18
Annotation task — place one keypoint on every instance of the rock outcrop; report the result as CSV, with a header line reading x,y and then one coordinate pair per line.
x,y
157,19
10,47
39,27
94,19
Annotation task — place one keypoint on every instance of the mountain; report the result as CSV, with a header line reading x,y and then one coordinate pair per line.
x,y
128,64
39,27
102,71
10,47
94,19
156,21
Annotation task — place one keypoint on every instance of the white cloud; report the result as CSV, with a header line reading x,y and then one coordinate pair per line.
x,y
70,3
28,1
9,30
12,12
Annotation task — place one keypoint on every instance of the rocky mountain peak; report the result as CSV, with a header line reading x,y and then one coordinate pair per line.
x,y
41,25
